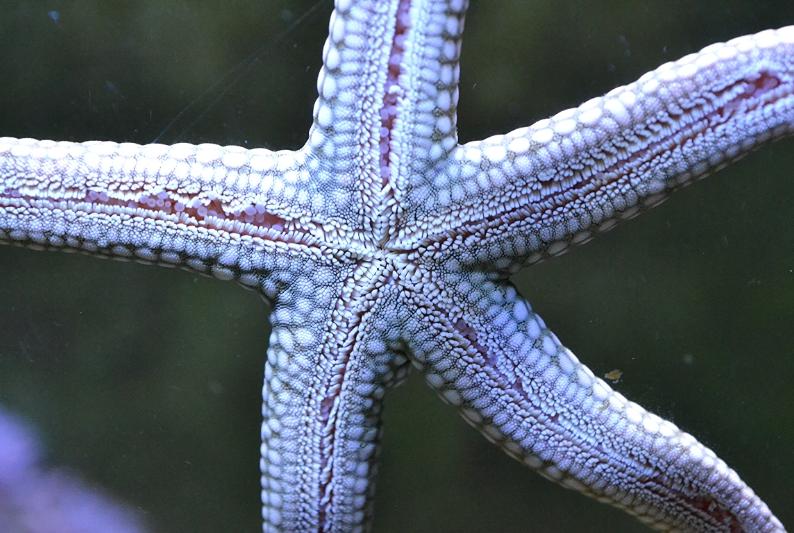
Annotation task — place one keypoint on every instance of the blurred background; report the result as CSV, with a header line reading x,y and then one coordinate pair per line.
x,y
147,381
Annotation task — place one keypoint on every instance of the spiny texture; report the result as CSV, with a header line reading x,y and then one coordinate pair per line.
x,y
383,241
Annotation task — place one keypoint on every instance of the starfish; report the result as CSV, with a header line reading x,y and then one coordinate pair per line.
x,y
383,241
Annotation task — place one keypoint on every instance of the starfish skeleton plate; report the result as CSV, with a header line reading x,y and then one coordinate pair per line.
x,y
466,330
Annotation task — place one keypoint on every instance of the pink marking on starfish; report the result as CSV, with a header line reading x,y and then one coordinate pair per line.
x,y
393,90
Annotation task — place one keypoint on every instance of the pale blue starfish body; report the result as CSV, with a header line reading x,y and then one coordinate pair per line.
x,y
382,241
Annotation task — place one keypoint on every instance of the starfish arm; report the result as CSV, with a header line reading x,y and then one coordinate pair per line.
x,y
388,90
328,365
486,352
537,190
208,208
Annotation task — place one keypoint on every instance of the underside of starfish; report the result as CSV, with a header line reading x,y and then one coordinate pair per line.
x,y
384,242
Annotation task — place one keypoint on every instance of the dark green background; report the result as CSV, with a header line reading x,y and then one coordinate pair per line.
x,y
147,380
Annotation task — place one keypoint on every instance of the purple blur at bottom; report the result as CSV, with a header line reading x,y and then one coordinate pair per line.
x,y
38,499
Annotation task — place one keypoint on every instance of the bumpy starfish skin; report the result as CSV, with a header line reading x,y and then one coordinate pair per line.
x,y
383,242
